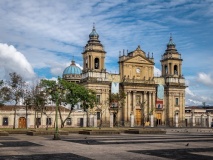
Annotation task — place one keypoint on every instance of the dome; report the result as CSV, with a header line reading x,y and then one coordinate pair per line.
x,y
171,43
72,69
93,33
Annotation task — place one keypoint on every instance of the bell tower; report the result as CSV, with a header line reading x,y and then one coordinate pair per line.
x,y
174,87
171,61
93,54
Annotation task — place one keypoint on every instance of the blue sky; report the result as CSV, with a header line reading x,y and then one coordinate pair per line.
x,y
39,37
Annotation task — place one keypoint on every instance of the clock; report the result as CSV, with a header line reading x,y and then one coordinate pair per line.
x,y
138,70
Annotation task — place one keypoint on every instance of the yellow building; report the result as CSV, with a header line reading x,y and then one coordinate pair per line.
x,y
162,97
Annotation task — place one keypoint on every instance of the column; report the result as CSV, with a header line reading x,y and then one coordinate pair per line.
x,y
150,104
209,120
193,119
151,120
202,121
125,115
153,102
111,120
180,70
16,121
176,120
128,105
163,72
133,102
145,106
95,120
132,120
91,62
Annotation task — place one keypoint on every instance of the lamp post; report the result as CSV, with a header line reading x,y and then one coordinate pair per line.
x,y
56,134
56,94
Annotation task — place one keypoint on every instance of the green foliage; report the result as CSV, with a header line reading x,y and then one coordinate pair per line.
x,y
65,92
88,99
16,86
117,98
4,93
69,93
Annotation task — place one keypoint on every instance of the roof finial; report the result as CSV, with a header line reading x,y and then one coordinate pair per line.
x,y
72,62
171,43
93,25
170,36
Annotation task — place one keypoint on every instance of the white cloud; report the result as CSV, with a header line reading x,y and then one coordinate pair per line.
x,y
78,65
197,98
14,61
57,69
192,102
189,92
206,79
157,72
49,34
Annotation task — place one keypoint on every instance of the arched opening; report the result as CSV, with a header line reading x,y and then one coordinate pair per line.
x,y
96,63
86,63
176,70
166,69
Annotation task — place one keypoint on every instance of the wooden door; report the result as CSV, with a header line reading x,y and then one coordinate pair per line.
x,y
158,118
22,122
138,117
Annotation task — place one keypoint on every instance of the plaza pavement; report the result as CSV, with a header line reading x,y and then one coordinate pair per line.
x,y
178,143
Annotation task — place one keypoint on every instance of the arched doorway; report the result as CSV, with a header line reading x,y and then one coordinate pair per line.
x,y
158,119
138,117
22,122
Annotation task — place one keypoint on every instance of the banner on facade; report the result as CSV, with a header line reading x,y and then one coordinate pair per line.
x,y
160,96
115,87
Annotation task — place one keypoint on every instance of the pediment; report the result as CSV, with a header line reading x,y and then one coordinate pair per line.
x,y
139,60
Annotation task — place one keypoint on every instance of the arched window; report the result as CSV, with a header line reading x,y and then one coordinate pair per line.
x,y
86,63
175,70
96,63
166,69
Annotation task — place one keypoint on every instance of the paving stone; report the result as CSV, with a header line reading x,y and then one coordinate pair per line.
x,y
120,147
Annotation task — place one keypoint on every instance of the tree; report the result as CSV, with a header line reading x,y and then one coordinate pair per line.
x,y
116,101
101,109
4,93
16,87
28,102
76,93
69,93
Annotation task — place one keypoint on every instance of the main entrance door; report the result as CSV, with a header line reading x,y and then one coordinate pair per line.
x,y
158,118
138,117
22,122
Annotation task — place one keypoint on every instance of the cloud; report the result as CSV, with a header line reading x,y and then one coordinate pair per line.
x,y
206,79
198,98
157,72
189,92
78,65
57,70
14,61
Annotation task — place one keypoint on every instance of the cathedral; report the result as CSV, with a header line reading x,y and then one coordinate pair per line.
x,y
147,98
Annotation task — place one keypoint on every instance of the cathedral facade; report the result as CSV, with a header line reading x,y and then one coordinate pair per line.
x,y
162,97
